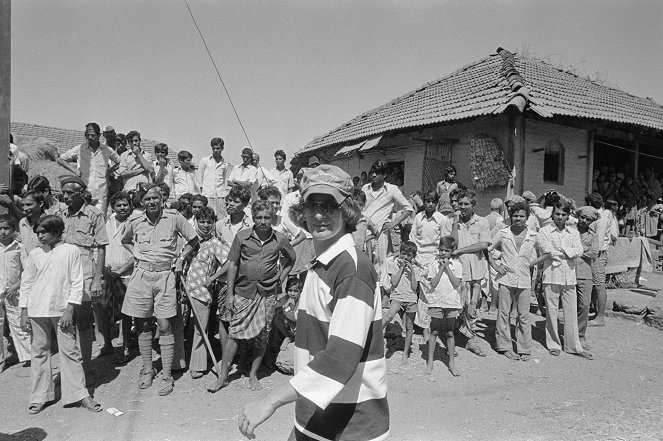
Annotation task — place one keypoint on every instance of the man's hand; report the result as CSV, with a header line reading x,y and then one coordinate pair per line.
x,y
66,319
209,281
501,269
230,302
5,200
179,264
388,226
25,320
254,414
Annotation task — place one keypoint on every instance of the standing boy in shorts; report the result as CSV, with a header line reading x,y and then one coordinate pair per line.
x,y
444,304
402,280
152,238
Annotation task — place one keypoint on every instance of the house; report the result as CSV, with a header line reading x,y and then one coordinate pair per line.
x,y
502,114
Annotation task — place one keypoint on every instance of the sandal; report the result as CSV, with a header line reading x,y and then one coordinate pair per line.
x,y
586,355
146,378
167,386
35,408
511,355
554,352
89,404
525,357
196,374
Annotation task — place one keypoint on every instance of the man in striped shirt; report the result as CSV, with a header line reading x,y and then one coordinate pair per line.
x,y
339,385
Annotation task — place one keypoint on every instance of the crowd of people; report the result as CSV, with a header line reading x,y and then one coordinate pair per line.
x,y
301,270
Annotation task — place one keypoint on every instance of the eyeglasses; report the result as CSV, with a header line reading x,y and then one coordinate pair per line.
x,y
323,208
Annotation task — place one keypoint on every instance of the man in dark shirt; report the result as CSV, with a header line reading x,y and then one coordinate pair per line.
x,y
253,280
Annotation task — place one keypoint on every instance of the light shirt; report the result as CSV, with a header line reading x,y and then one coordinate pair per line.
x,y
19,157
226,230
284,180
184,181
444,295
29,238
11,266
93,166
426,232
403,292
516,261
469,233
53,278
213,177
116,255
244,174
602,226
128,162
168,173
566,246
380,203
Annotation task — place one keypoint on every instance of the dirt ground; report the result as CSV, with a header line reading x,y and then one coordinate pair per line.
x,y
617,396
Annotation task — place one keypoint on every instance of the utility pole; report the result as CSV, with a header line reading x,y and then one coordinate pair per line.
x,y
5,88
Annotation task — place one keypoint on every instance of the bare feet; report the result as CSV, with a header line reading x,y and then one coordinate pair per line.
x,y
455,372
218,384
404,360
429,369
597,322
254,383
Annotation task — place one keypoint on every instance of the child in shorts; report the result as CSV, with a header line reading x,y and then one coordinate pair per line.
x,y
402,281
445,274
284,326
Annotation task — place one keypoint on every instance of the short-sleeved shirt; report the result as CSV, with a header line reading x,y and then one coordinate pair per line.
x,y
284,180
93,166
157,242
86,228
128,163
257,272
184,181
12,257
244,173
213,177
29,237
226,230
444,295
427,231
590,240
469,233
204,264
403,291
443,189
516,261
380,203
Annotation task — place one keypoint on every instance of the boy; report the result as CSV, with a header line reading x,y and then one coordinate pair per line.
x,y
197,202
284,327
236,219
184,176
12,253
51,287
207,259
444,304
253,280
339,385
119,266
428,227
402,280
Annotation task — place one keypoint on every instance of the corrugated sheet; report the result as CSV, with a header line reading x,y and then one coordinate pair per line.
x,y
480,88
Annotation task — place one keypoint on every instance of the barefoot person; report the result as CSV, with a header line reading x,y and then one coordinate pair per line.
x,y
339,385
51,287
253,280
152,237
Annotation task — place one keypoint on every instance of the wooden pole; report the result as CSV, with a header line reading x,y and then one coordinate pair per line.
x,y
5,88
590,162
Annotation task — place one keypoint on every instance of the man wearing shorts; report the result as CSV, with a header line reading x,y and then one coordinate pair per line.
x,y
152,238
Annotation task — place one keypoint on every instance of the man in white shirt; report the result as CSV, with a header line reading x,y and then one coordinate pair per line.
x,y
380,200
163,169
92,162
135,164
213,174
245,174
263,177
184,176
284,180
18,157
602,226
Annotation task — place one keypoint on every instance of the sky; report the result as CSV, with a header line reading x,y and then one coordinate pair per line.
x,y
294,69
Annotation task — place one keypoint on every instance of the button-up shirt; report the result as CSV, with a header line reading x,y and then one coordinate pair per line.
x,y
226,230
603,229
213,177
380,203
184,181
248,174
472,232
157,242
53,277
590,248
11,266
516,261
256,261
85,228
93,165
284,180
29,237
128,162
427,231
565,246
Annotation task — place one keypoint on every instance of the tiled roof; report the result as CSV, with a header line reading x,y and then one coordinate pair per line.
x,y
489,86
65,139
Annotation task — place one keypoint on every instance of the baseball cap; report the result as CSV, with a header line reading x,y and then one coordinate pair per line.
x,y
326,179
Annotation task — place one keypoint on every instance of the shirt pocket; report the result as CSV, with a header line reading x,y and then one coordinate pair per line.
x,y
84,232
165,231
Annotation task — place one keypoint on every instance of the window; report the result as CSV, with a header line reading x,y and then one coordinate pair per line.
x,y
553,162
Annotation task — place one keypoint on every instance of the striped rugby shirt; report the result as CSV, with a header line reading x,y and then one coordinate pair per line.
x,y
340,368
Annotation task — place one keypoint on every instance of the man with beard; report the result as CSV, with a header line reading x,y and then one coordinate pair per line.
x,y
151,236
85,228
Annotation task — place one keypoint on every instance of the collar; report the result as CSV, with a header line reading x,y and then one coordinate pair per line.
x,y
81,211
147,219
87,145
131,152
255,235
247,166
211,158
13,244
344,243
435,217
473,219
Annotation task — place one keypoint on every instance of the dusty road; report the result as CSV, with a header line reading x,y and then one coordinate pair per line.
x,y
617,396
